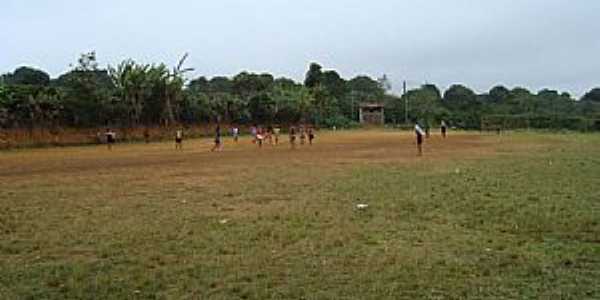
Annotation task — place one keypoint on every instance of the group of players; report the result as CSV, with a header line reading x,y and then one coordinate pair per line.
x,y
259,134
420,133
271,135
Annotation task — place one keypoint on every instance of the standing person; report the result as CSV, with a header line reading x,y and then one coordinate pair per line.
x,y
260,136
110,138
302,135
179,140
419,132
218,145
293,137
270,134
311,135
235,131
253,132
444,129
276,132
427,127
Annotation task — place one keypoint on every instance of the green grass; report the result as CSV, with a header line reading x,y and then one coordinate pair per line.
x,y
523,223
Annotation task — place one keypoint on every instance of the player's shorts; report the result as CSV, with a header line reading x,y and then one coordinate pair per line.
x,y
419,139
178,140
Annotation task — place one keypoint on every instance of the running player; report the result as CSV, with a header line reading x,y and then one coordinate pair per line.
x,y
218,145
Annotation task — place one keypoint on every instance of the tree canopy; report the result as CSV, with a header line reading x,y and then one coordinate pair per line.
x,y
139,94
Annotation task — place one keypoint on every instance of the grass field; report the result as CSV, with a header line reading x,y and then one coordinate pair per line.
x,y
515,216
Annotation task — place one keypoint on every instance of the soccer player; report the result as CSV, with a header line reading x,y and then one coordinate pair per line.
x,y
235,131
218,145
253,132
293,137
110,138
419,133
311,135
302,135
260,136
276,132
444,129
179,140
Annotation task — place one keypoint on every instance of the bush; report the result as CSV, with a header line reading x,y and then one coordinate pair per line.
x,y
540,122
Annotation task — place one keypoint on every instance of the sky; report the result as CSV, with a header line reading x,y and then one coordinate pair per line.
x,y
529,43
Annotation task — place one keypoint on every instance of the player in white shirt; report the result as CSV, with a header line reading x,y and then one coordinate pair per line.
x,y
276,132
236,134
179,140
444,129
419,133
111,138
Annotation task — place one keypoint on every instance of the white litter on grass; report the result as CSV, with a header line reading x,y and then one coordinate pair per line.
x,y
457,171
224,221
488,249
362,206
184,202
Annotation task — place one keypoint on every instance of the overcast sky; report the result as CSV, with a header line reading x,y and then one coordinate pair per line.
x,y
532,43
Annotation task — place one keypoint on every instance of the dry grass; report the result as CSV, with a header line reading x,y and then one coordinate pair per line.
x,y
476,217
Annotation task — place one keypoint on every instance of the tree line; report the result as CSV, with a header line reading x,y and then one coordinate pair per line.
x,y
134,94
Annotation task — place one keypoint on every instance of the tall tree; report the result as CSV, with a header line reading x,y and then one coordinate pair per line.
x,y
592,96
133,87
499,94
173,89
464,106
88,92
366,86
313,76
26,76
425,104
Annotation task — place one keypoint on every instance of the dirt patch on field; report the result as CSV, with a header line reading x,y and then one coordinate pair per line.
x,y
330,149
241,180
161,161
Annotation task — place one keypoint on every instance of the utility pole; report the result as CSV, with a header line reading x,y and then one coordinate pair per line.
x,y
405,102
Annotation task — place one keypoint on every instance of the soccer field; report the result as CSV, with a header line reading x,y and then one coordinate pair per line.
x,y
478,216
